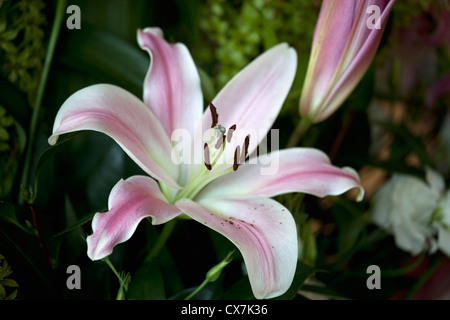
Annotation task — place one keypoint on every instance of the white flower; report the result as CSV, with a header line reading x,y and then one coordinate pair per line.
x,y
415,211
444,224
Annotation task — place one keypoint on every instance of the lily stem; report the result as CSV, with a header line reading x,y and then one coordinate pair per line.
x,y
404,270
299,131
111,266
162,239
59,15
212,274
122,280
38,235
198,289
423,279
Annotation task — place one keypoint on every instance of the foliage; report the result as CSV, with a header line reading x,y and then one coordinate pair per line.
x,y
5,281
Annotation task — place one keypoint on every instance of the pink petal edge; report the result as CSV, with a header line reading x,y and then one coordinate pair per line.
x,y
129,202
262,229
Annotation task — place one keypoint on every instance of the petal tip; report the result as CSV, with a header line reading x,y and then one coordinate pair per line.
x,y
95,250
53,139
148,31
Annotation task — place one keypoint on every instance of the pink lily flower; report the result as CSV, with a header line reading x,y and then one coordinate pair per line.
x,y
345,41
231,197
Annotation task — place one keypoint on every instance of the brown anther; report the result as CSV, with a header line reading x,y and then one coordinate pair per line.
x,y
206,154
247,143
220,142
245,148
236,157
230,132
214,115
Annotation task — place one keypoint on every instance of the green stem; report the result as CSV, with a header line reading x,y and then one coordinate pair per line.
x,y
299,131
212,274
162,239
111,266
123,281
198,289
423,279
59,15
404,270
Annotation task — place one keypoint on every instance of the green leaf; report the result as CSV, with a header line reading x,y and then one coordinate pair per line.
x,y
147,283
105,173
8,214
44,158
15,102
2,292
73,234
12,296
106,57
269,36
170,273
208,89
323,292
303,272
240,290
9,283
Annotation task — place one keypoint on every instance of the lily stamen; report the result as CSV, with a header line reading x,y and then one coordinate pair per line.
x,y
230,132
245,148
214,115
207,158
236,156
220,142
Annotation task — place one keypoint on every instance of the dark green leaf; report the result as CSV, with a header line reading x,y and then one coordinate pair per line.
x,y
147,283
323,292
15,103
44,157
240,290
8,214
303,272
106,57
9,283
104,175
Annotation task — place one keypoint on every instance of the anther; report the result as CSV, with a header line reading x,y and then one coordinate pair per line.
x,y
230,132
214,115
220,142
245,148
236,157
206,153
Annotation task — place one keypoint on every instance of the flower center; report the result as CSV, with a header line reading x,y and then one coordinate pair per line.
x,y
213,167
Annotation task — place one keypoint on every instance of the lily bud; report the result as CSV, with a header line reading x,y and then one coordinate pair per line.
x,y
345,41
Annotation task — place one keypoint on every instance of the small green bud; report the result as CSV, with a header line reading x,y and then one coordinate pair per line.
x,y
214,273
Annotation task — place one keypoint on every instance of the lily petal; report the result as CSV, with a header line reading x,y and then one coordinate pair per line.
x,y
172,86
305,170
129,202
253,98
120,115
262,229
